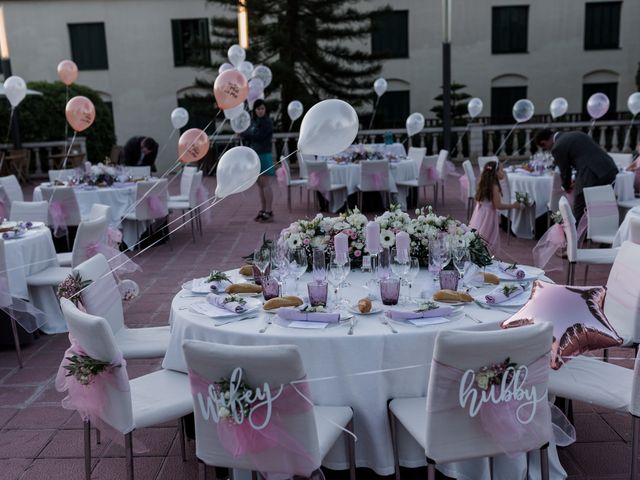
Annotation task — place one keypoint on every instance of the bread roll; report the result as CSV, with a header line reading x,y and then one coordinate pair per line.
x,y
491,278
246,270
364,305
243,288
452,296
288,301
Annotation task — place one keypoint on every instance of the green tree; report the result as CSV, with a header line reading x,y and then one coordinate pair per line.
x,y
305,44
458,104
42,118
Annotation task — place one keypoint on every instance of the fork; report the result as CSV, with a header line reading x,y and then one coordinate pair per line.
x,y
235,320
267,325
485,307
386,322
351,327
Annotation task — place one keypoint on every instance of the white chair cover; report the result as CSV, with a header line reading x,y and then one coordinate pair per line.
x,y
90,235
570,232
185,181
556,193
602,213
441,165
61,175
29,212
483,160
471,179
622,160
634,230
319,177
151,200
374,176
100,210
63,201
622,303
12,188
303,160
417,154
138,172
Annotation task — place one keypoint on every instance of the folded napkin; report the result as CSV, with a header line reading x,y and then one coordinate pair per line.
x,y
497,295
409,315
513,272
218,301
293,315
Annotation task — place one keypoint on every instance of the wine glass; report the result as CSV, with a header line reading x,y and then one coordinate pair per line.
x,y
412,273
262,259
439,256
280,260
459,255
346,264
297,263
336,274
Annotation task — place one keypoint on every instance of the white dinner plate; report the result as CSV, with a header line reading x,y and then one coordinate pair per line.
x,y
37,225
375,308
530,273
187,286
211,311
517,301
344,317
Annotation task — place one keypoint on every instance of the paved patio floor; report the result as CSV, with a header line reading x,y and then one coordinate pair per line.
x,y
41,440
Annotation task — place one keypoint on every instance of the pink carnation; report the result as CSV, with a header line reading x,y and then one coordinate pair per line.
x,y
306,241
357,253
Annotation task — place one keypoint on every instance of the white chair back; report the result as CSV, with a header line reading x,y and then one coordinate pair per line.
x,y
61,175
319,176
158,191
29,212
102,298
569,225
441,164
303,160
287,169
622,160
452,434
428,172
275,365
5,204
90,234
634,230
97,340
374,176
185,180
556,192
66,197
622,303
12,188
417,154
471,178
196,181
483,160
100,210
602,210
138,171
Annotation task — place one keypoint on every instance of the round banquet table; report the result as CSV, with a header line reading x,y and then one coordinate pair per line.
x,y
624,186
623,230
349,174
26,256
363,370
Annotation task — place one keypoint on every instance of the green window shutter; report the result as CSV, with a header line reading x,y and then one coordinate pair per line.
x,y
390,34
88,46
602,25
510,29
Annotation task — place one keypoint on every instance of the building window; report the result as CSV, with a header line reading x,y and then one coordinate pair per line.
x,y
190,42
510,29
89,46
602,25
609,89
393,110
502,100
390,34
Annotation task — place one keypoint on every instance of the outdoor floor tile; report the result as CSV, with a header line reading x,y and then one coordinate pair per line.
x,y
145,468
31,376
56,469
70,444
593,428
174,467
13,468
40,417
156,442
16,395
6,414
23,443
602,458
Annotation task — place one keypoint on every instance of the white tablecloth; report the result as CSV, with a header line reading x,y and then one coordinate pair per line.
x,y
372,347
349,174
624,186
623,230
29,255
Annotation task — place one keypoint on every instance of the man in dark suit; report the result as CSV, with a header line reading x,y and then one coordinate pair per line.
x,y
140,151
577,150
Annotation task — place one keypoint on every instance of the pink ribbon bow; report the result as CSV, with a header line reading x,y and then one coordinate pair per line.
x,y
118,261
314,179
58,213
545,249
464,187
114,237
155,206
377,180
450,168
431,173
281,175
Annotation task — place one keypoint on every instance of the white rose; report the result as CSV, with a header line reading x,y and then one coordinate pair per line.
x,y
387,238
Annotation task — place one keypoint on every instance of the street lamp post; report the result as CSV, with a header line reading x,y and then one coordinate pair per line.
x,y
5,61
446,75
243,24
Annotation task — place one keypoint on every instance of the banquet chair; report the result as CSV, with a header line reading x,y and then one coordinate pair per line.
x,y
471,188
191,205
417,154
448,433
29,212
374,177
602,214
604,385
12,188
138,171
314,429
146,193
18,162
185,184
61,175
146,401
100,210
622,160
90,232
634,230
66,198
319,180
483,160
441,170
427,175
556,194
303,160
291,182
587,256
508,213
102,298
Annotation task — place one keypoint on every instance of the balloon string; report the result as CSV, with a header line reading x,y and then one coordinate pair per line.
x,y
66,125
66,157
504,142
461,138
593,124
373,115
628,134
10,122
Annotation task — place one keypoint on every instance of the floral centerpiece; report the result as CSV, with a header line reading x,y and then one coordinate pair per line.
x,y
16,231
100,174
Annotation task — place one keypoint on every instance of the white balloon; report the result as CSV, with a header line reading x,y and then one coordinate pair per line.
x,y
329,127
558,107
256,88
232,113
523,110
237,171
236,55
224,67
415,123
15,89
241,122
474,107
597,105
246,68
295,109
634,103
179,117
263,73
380,86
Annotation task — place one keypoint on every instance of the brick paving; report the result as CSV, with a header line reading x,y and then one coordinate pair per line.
x,y
39,439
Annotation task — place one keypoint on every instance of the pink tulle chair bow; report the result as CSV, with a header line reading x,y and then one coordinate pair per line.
x,y
431,173
316,179
464,187
155,206
547,246
377,180
450,168
118,261
114,237
281,175
24,313
58,213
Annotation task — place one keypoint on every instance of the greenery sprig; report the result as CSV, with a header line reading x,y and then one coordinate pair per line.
x,y
509,289
426,306
217,276
84,368
234,298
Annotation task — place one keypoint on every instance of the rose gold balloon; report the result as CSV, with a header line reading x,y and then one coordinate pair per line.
x,y
193,145
577,315
230,89
67,72
80,113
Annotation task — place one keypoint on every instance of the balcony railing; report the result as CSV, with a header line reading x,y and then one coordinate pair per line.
x,y
42,151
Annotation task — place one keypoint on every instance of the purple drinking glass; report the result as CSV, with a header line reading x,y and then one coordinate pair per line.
x,y
270,288
390,290
449,279
318,293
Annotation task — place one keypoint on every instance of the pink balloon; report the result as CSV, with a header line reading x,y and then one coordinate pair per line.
x,y
80,113
193,145
67,72
230,89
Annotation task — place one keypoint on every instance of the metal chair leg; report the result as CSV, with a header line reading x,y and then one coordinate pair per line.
x,y
16,340
586,273
203,471
87,450
193,231
98,439
544,462
431,469
394,442
182,439
289,198
635,471
128,447
351,451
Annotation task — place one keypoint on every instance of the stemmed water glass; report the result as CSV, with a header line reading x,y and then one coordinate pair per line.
x,y
279,259
439,256
412,273
261,260
460,256
336,274
297,263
